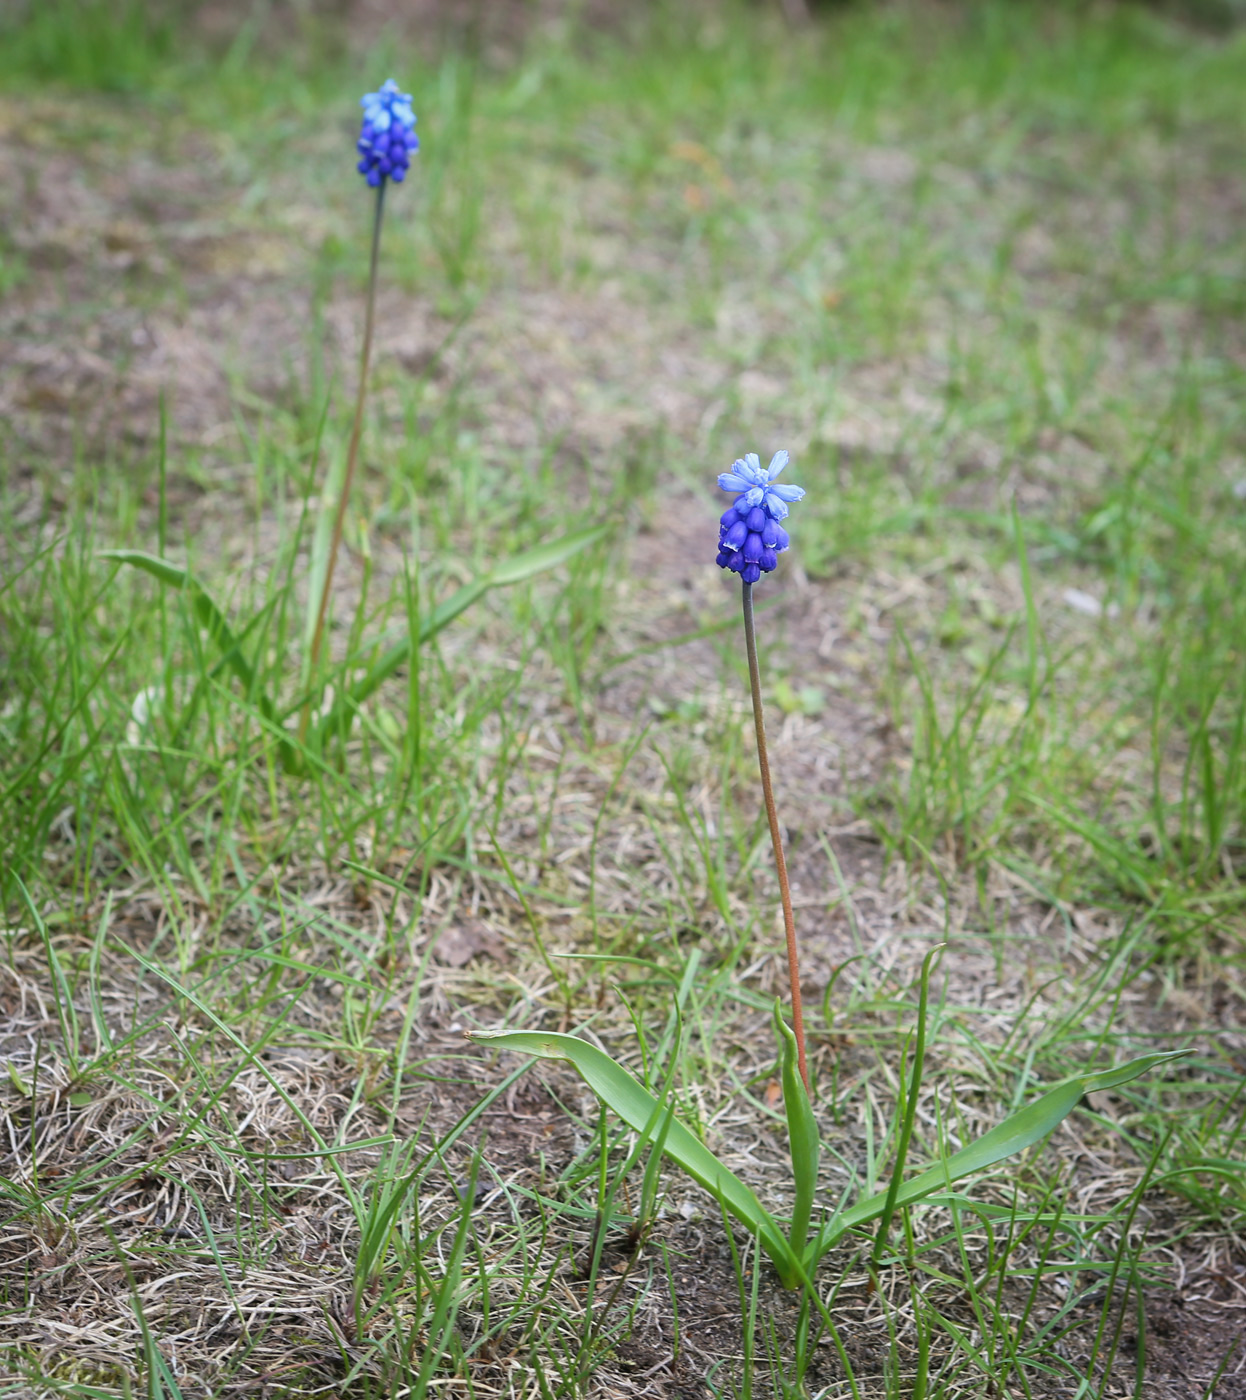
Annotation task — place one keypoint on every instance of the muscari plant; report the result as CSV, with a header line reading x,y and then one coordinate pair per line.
x,y
751,536
386,143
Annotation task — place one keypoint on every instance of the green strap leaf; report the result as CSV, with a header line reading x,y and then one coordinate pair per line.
x,y
214,622
205,609
804,1140
341,713
522,566
1017,1132
398,655
626,1097
544,556
637,1107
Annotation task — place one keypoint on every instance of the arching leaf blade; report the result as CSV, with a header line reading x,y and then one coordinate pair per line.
x,y
625,1096
1017,1132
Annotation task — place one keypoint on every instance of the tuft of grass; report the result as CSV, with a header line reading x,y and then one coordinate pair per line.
x,y
100,45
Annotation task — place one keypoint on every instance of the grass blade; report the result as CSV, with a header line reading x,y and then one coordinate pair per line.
x,y
911,1093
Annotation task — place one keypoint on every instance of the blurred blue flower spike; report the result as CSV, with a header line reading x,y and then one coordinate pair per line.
x,y
388,138
385,145
750,537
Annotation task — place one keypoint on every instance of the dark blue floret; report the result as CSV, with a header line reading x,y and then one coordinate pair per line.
x,y
750,538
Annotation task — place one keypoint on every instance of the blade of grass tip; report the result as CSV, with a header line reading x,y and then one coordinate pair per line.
x,y
160,1378
846,903
910,1108
750,1318
711,629
1033,632
34,1121
628,754
674,1297
663,1117
1212,1388
253,1055
538,938
642,1041
674,1033
412,739
514,570
683,988
746,1335
801,1351
162,510
222,1268
608,1192
103,1036
50,742
204,606
823,1306
378,1220
1135,1202
649,1185
1140,1347
921,1325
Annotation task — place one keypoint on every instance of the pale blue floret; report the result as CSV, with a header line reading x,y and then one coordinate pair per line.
x,y
380,108
757,486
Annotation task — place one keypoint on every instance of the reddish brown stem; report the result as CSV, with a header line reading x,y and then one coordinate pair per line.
x,y
776,836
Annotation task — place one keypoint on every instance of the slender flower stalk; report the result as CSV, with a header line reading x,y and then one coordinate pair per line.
x,y
387,141
750,539
776,836
352,455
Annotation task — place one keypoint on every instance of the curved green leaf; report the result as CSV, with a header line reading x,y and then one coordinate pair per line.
x,y
341,713
626,1097
214,622
637,1107
803,1139
205,609
522,566
1017,1132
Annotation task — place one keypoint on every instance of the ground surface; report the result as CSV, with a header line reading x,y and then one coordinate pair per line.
x,y
993,307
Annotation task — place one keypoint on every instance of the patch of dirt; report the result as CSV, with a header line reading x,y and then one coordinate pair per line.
x,y
1193,1351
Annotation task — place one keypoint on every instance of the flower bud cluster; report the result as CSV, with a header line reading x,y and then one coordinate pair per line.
x,y
388,138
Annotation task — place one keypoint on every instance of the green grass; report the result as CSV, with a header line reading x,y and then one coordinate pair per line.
x,y
979,266
87,43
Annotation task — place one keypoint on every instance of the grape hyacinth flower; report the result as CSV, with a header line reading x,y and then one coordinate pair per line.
x,y
750,535
750,540
385,146
388,138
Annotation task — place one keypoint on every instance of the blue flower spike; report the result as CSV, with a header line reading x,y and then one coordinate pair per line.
x,y
750,535
388,138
